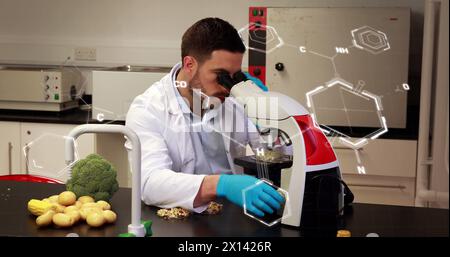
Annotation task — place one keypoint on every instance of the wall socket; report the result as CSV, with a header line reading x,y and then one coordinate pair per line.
x,y
85,54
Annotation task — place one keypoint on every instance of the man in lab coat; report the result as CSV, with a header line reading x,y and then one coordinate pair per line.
x,y
187,148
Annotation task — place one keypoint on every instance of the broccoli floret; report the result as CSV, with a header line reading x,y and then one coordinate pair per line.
x,y
93,176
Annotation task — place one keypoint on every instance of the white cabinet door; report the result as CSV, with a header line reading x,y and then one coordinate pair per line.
x,y
44,149
382,157
390,171
9,148
381,189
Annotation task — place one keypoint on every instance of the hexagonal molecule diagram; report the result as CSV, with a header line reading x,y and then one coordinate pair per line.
x,y
267,219
262,38
370,39
39,162
343,108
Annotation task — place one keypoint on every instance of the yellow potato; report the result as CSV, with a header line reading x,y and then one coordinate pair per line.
x,y
104,205
90,205
67,198
62,220
46,200
78,204
45,219
109,216
75,215
344,233
84,212
86,199
37,207
95,219
70,208
53,198
59,208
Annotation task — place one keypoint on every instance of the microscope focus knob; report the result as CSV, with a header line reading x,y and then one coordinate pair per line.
x,y
279,66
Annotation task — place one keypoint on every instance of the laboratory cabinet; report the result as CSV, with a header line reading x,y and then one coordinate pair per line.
x,y
43,148
9,148
38,149
385,172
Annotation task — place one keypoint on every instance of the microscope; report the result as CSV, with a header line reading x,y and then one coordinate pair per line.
x,y
293,154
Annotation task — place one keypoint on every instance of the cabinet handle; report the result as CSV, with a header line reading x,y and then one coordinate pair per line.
x,y
381,186
10,157
347,148
27,149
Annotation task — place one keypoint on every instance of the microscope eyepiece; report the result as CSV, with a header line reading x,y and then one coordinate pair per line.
x,y
224,79
239,77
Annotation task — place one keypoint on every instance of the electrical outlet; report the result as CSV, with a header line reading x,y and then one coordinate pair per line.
x,y
85,54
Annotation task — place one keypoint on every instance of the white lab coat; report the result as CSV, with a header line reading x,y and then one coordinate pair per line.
x,y
168,159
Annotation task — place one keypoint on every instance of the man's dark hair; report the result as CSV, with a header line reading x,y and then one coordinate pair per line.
x,y
208,35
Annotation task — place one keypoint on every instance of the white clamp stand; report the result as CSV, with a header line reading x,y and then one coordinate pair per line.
x,y
136,228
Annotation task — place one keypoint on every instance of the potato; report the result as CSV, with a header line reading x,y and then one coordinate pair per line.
x,y
343,233
90,205
95,219
59,208
53,198
70,208
104,205
109,216
78,204
45,219
67,198
75,215
62,220
86,199
46,200
84,212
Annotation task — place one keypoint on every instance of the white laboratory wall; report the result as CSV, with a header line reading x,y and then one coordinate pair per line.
x,y
135,32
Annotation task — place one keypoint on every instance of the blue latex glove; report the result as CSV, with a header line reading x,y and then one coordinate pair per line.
x,y
260,199
257,81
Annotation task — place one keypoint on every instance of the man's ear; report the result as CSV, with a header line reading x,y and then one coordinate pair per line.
x,y
190,66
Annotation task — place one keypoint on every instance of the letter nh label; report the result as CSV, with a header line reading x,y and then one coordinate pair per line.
x,y
342,50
